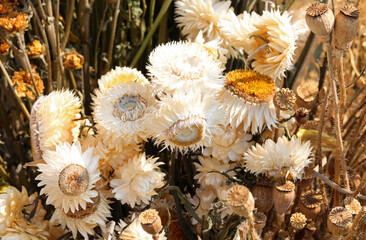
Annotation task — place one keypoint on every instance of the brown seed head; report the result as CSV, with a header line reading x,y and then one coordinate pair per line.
x,y
73,180
298,220
310,203
320,20
352,204
285,99
263,196
346,27
283,196
302,115
150,221
339,221
307,93
350,11
241,200
259,220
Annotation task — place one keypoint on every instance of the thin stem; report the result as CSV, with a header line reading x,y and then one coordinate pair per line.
x,y
98,40
340,162
359,187
333,185
319,153
340,74
17,98
27,62
356,131
250,57
113,34
58,48
69,16
149,35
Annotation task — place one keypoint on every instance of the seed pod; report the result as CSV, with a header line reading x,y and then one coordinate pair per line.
x,y
339,221
302,115
241,200
262,192
283,196
310,203
346,26
150,221
320,20
259,221
298,221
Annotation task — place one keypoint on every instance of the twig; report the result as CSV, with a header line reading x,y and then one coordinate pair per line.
x,y
69,16
98,39
149,35
250,57
333,185
360,186
113,34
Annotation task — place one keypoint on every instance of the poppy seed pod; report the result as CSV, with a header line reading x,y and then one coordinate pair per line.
x,y
263,195
310,203
241,201
340,221
320,20
151,221
346,27
283,196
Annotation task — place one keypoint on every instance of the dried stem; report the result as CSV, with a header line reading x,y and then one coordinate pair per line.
x,y
17,98
340,163
335,186
319,153
356,131
69,15
98,40
58,48
342,84
113,34
360,187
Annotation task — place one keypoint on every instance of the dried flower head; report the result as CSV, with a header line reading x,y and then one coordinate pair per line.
x,y
340,221
7,6
283,196
35,48
285,99
320,19
14,21
346,26
4,47
248,99
284,158
352,205
73,60
16,207
298,220
241,200
260,220
307,94
302,115
135,231
23,82
311,199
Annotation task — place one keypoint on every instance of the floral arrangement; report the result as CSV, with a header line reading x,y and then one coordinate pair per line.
x,y
214,135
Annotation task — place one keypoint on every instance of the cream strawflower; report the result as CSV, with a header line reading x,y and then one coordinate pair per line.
x,y
228,144
208,164
124,111
194,16
51,121
285,158
134,231
186,121
212,47
120,75
84,220
136,180
178,66
69,177
247,98
280,34
15,209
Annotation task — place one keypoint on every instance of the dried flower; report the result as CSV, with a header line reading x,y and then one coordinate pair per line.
x,y
150,221
15,21
241,200
285,99
136,232
23,81
284,158
7,6
283,196
16,207
35,48
352,205
340,221
298,220
259,220
248,99
73,60
4,47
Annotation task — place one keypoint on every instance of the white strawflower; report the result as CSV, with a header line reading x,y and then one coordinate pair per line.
x,y
69,176
134,231
85,220
136,180
194,16
276,30
186,121
120,75
123,112
52,121
15,209
286,157
228,144
247,98
182,65
208,164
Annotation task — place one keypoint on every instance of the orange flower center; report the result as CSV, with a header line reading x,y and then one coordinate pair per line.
x,y
251,86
